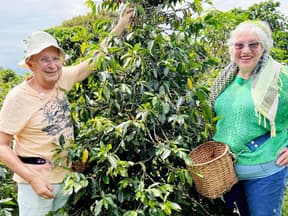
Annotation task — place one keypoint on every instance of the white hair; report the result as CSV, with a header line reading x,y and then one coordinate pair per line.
x,y
260,28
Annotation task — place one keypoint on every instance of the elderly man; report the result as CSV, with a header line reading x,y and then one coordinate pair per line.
x,y
36,114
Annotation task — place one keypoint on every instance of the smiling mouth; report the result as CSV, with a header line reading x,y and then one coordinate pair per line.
x,y
246,58
50,72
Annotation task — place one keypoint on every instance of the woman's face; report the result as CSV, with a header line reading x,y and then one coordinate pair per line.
x,y
246,51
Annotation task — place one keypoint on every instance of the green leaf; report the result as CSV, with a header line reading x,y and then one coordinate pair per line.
x,y
151,46
98,208
165,108
174,206
130,213
62,140
112,160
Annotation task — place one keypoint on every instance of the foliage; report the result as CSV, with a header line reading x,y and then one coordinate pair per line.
x,y
8,204
86,21
285,204
8,79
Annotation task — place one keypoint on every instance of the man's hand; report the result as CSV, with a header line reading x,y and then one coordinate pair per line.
x,y
125,19
42,188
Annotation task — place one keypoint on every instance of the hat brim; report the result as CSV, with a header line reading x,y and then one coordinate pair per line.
x,y
23,63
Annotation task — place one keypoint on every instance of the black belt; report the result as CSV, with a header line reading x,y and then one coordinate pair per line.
x,y
33,160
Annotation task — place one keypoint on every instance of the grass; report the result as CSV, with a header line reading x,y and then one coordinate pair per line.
x,y
285,205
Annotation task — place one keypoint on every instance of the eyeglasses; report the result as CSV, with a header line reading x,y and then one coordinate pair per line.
x,y
47,59
251,45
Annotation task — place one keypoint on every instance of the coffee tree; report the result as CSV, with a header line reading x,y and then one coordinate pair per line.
x,y
8,197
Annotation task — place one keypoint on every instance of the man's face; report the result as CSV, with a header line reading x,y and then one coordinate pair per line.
x,y
46,67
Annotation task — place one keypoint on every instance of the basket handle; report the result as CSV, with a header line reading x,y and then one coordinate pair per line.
x,y
233,156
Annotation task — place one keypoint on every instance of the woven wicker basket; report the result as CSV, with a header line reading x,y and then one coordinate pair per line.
x,y
213,169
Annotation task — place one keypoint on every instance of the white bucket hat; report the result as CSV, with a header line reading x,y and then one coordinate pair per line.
x,y
37,42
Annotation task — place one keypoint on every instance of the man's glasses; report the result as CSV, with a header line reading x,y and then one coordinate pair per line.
x,y
251,45
47,59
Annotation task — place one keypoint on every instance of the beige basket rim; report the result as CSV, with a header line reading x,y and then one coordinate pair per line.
x,y
214,159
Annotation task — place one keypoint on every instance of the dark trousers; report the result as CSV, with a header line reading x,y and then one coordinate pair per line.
x,y
236,201
258,197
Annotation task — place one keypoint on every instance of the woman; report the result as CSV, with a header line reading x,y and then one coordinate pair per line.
x,y
250,97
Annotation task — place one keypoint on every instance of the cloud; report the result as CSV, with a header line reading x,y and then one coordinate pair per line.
x,y
18,19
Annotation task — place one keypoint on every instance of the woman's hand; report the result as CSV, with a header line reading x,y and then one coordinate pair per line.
x,y
283,157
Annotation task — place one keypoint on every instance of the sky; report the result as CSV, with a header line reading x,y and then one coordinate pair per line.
x,y
18,19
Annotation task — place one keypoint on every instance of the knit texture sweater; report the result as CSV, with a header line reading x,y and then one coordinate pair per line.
x,y
238,123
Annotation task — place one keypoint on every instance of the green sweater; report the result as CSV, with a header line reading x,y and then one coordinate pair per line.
x,y
239,124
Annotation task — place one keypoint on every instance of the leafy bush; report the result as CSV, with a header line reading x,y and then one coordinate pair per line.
x,y
8,201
